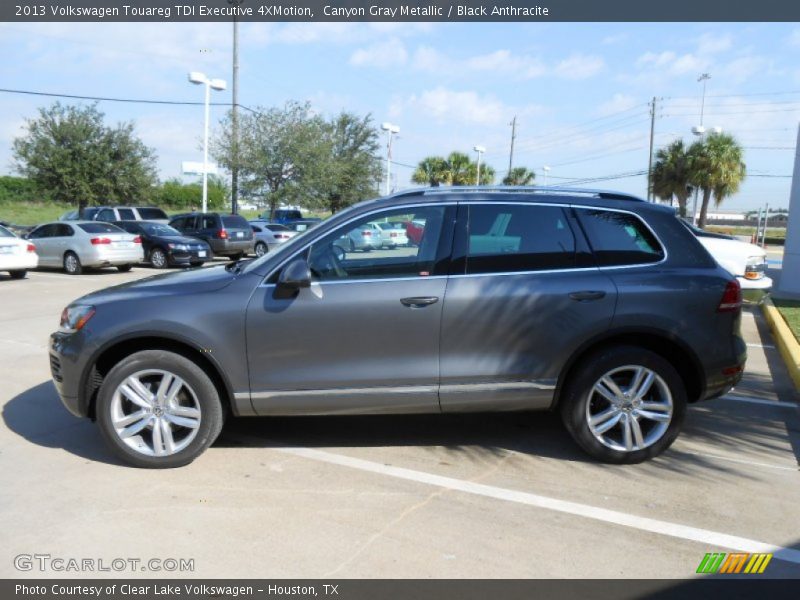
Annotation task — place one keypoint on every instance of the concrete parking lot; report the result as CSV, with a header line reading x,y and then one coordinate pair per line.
x,y
415,496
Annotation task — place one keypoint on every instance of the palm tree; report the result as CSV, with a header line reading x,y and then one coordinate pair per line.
x,y
432,171
458,168
670,176
716,166
519,176
487,174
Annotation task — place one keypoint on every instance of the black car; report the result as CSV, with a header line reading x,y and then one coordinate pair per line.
x,y
228,235
164,246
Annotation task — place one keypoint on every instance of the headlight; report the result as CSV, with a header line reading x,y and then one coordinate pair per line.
x,y
179,247
73,318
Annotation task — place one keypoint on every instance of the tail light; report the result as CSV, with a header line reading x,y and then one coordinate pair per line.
x,y
31,248
100,241
366,233
137,239
392,234
222,234
731,297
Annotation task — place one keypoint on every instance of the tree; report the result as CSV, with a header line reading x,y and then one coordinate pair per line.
x,y
717,168
279,150
670,176
183,196
519,176
487,174
458,169
350,168
432,171
72,156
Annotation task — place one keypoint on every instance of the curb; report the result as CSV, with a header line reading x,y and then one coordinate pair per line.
x,y
787,344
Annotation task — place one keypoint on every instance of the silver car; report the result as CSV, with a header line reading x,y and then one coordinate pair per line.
x,y
269,235
367,237
74,245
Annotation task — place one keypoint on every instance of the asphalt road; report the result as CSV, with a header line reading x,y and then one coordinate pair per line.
x,y
415,496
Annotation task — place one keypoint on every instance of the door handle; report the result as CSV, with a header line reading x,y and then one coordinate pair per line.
x,y
587,295
419,301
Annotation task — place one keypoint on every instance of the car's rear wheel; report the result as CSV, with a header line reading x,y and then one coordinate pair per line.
x,y
18,274
72,264
158,258
261,249
237,256
624,404
124,268
158,409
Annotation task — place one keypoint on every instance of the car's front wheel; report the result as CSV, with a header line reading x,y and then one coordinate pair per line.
x,y
624,404
72,264
158,258
158,409
124,268
18,274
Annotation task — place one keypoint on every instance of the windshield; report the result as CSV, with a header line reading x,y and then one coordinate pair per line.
x,y
158,229
98,227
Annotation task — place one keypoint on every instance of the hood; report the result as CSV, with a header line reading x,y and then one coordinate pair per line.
x,y
175,283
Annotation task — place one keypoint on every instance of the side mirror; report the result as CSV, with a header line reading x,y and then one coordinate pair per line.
x,y
296,275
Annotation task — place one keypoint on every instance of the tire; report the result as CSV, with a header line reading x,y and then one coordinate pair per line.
x,y
261,249
196,264
158,258
72,264
664,400
196,393
19,274
237,256
124,268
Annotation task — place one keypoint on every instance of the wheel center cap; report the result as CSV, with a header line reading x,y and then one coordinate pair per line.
x,y
158,411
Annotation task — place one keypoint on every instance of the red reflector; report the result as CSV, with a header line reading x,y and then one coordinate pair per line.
x,y
31,248
733,370
731,297
137,239
98,241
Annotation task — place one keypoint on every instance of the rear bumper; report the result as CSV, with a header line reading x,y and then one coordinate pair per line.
x,y
231,247
19,262
108,257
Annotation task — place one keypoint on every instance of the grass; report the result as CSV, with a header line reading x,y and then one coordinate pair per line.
x,y
32,213
772,232
790,309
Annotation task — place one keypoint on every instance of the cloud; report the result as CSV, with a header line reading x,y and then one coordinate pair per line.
x,y
794,38
390,53
522,67
443,104
431,60
579,66
618,103
618,38
708,43
744,67
671,63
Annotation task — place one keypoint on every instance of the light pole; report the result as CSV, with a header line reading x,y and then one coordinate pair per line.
x,y
391,130
218,84
546,170
700,131
480,150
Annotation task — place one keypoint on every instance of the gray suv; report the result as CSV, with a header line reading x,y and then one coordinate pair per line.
x,y
594,304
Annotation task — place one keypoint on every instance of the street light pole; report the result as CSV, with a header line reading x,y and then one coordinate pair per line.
x,y
217,84
546,170
699,131
391,130
480,150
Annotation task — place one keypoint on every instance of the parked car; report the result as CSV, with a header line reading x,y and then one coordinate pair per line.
x,y
301,225
269,236
111,214
164,246
595,304
366,237
747,262
75,245
414,231
393,234
16,255
228,235
282,215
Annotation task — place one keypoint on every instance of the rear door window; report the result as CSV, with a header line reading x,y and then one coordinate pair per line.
x,y
619,238
126,214
209,222
506,238
151,213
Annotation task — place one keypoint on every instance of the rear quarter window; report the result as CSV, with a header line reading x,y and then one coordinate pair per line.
x,y
235,222
619,238
148,214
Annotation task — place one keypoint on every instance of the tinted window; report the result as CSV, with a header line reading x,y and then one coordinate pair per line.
x,y
126,214
619,238
346,253
99,228
507,238
277,227
5,232
256,228
158,229
63,231
148,213
42,231
209,222
130,227
106,215
178,223
234,222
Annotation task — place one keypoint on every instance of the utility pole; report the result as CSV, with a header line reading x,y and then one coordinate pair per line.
x,y
513,137
650,163
235,116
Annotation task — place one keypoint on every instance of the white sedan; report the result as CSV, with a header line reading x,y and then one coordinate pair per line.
x,y
393,234
16,255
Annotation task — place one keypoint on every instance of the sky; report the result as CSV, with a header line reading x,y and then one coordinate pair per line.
x,y
580,92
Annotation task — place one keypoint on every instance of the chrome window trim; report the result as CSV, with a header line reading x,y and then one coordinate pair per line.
x,y
503,274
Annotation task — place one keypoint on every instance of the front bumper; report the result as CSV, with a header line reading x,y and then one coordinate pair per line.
x,y
68,356
754,291
189,257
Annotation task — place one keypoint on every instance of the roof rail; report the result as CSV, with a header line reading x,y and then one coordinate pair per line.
x,y
515,189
